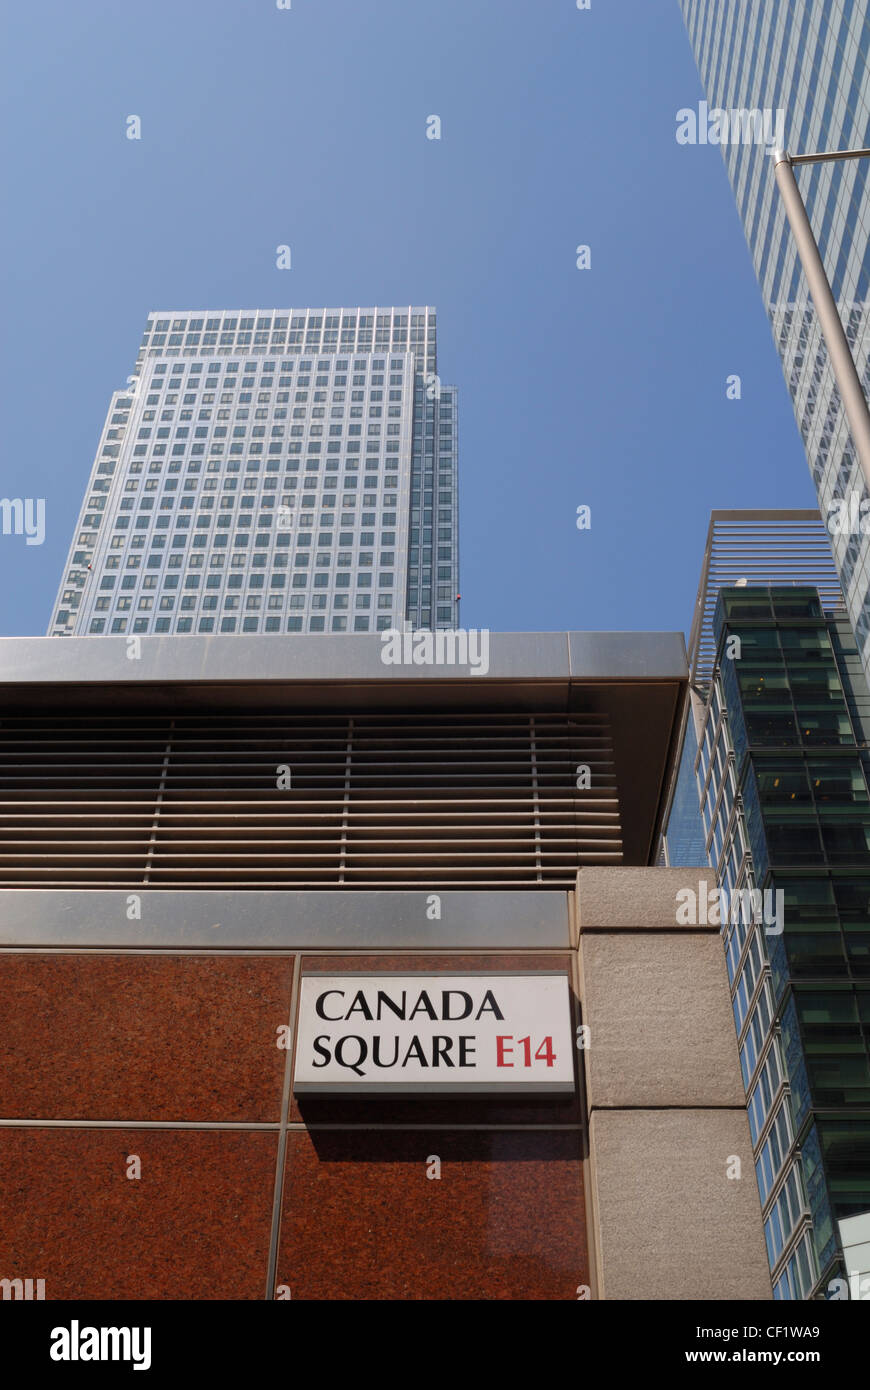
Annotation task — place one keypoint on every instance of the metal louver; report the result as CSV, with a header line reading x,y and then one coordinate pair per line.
x,y
753,548
374,800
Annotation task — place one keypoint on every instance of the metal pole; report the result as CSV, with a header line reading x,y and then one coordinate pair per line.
x,y
825,155
842,362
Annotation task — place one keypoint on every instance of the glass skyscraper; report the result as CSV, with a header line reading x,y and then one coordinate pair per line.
x,y
272,471
743,548
783,774
809,59
773,780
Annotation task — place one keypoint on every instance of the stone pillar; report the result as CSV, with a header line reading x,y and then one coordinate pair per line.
x,y
668,1129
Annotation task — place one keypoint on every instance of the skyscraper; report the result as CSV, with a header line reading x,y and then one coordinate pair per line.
x,y
774,752
807,59
272,471
783,775
743,548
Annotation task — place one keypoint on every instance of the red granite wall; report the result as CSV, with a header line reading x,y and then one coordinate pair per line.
x,y
167,1066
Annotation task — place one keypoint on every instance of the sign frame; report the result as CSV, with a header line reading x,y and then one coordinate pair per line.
x,y
511,1086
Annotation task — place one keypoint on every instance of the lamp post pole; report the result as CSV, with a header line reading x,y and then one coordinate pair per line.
x,y
842,362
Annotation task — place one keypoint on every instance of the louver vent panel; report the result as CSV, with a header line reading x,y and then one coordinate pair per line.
x,y
477,800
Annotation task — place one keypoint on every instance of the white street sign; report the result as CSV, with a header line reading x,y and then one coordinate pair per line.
x,y
434,1033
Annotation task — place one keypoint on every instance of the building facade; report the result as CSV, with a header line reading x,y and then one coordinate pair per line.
x,y
774,569
809,60
195,838
272,471
782,775
743,548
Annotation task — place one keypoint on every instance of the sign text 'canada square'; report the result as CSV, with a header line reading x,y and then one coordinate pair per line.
x,y
436,1033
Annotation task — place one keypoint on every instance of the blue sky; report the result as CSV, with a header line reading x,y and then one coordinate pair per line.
x,y
307,126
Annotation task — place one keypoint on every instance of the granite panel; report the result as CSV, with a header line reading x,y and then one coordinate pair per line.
x,y
422,1109
195,1225
129,1037
613,898
670,1222
662,1030
361,1219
